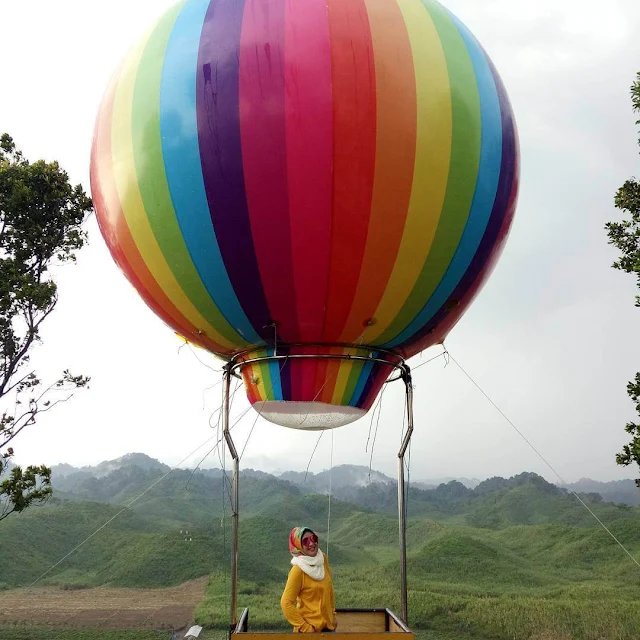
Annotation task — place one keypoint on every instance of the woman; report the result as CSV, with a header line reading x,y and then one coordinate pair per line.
x,y
308,602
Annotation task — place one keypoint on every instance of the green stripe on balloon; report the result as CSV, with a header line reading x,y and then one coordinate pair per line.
x,y
352,382
265,374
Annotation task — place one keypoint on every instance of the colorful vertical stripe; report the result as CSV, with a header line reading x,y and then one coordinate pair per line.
x,y
307,178
352,382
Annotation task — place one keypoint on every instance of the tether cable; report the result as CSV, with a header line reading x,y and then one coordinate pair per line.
x,y
513,426
110,520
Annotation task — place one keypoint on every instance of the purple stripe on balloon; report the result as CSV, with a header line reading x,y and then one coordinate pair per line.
x,y
495,233
366,389
218,110
372,388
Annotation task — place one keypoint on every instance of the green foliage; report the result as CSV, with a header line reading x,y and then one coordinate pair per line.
x,y
625,236
40,225
22,488
631,452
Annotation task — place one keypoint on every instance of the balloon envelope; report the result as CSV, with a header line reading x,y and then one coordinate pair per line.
x,y
307,178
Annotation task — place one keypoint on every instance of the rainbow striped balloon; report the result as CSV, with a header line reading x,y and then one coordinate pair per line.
x,y
316,175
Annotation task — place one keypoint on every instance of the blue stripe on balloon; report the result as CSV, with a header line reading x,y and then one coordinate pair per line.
x,y
501,216
362,381
485,192
274,370
180,147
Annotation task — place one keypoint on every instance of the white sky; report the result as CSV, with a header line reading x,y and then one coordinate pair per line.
x,y
553,337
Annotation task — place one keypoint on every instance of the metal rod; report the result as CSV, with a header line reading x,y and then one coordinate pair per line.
x,y
402,511
308,356
323,345
235,501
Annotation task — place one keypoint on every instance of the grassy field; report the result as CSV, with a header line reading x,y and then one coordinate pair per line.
x,y
517,560
37,633
536,582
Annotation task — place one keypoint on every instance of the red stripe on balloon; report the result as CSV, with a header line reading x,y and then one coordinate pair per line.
x,y
117,235
308,113
308,370
264,155
396,122
354,148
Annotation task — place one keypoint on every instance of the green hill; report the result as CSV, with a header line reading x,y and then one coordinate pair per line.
x,y
511,558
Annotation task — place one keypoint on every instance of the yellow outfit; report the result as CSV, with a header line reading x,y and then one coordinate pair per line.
x,y
308,604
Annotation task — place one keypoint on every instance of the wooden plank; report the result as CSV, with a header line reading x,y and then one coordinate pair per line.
x,y
336,635
353,624
361,621
394,627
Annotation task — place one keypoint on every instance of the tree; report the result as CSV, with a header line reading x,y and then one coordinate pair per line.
x,y
625,236
41,216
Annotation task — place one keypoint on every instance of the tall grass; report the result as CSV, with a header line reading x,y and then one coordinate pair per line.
x,y
536,582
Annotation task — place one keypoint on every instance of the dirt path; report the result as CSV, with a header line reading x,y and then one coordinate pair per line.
x,y
102,607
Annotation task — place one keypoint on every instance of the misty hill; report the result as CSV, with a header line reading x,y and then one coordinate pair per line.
x,y
617,491
141,460
157,508
340,477
346,481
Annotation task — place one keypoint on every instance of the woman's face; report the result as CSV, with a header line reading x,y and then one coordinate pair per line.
x,y
309,543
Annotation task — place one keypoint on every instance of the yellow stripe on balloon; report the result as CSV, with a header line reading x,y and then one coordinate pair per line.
x,y
258,381
343,376
131,199
261,374
431,170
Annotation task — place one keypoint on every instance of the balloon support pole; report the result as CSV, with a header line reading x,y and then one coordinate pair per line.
x,y
235,502
402,508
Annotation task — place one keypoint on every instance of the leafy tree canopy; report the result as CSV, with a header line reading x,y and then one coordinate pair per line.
x,y
625,236
41,216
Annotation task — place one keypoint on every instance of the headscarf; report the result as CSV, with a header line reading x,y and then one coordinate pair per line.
x,y
295,540
313,566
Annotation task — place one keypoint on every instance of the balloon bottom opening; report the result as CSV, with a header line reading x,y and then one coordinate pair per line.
x,y
308,416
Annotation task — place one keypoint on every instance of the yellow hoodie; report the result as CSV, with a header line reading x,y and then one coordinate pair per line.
x,y
308,604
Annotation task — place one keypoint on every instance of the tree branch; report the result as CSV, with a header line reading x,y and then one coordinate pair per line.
x,y
15,384
29,338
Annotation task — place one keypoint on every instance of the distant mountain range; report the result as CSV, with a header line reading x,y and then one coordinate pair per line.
x,y
105,468
514,547
148,506
345,480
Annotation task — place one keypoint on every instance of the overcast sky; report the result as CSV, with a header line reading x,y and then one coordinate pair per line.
x,y
552,338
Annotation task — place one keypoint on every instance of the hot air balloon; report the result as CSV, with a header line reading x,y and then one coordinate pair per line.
x,y
313,190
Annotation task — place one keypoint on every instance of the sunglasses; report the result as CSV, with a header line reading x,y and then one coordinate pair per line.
x,y
308,540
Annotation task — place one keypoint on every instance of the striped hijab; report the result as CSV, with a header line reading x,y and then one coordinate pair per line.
x,y
295,540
